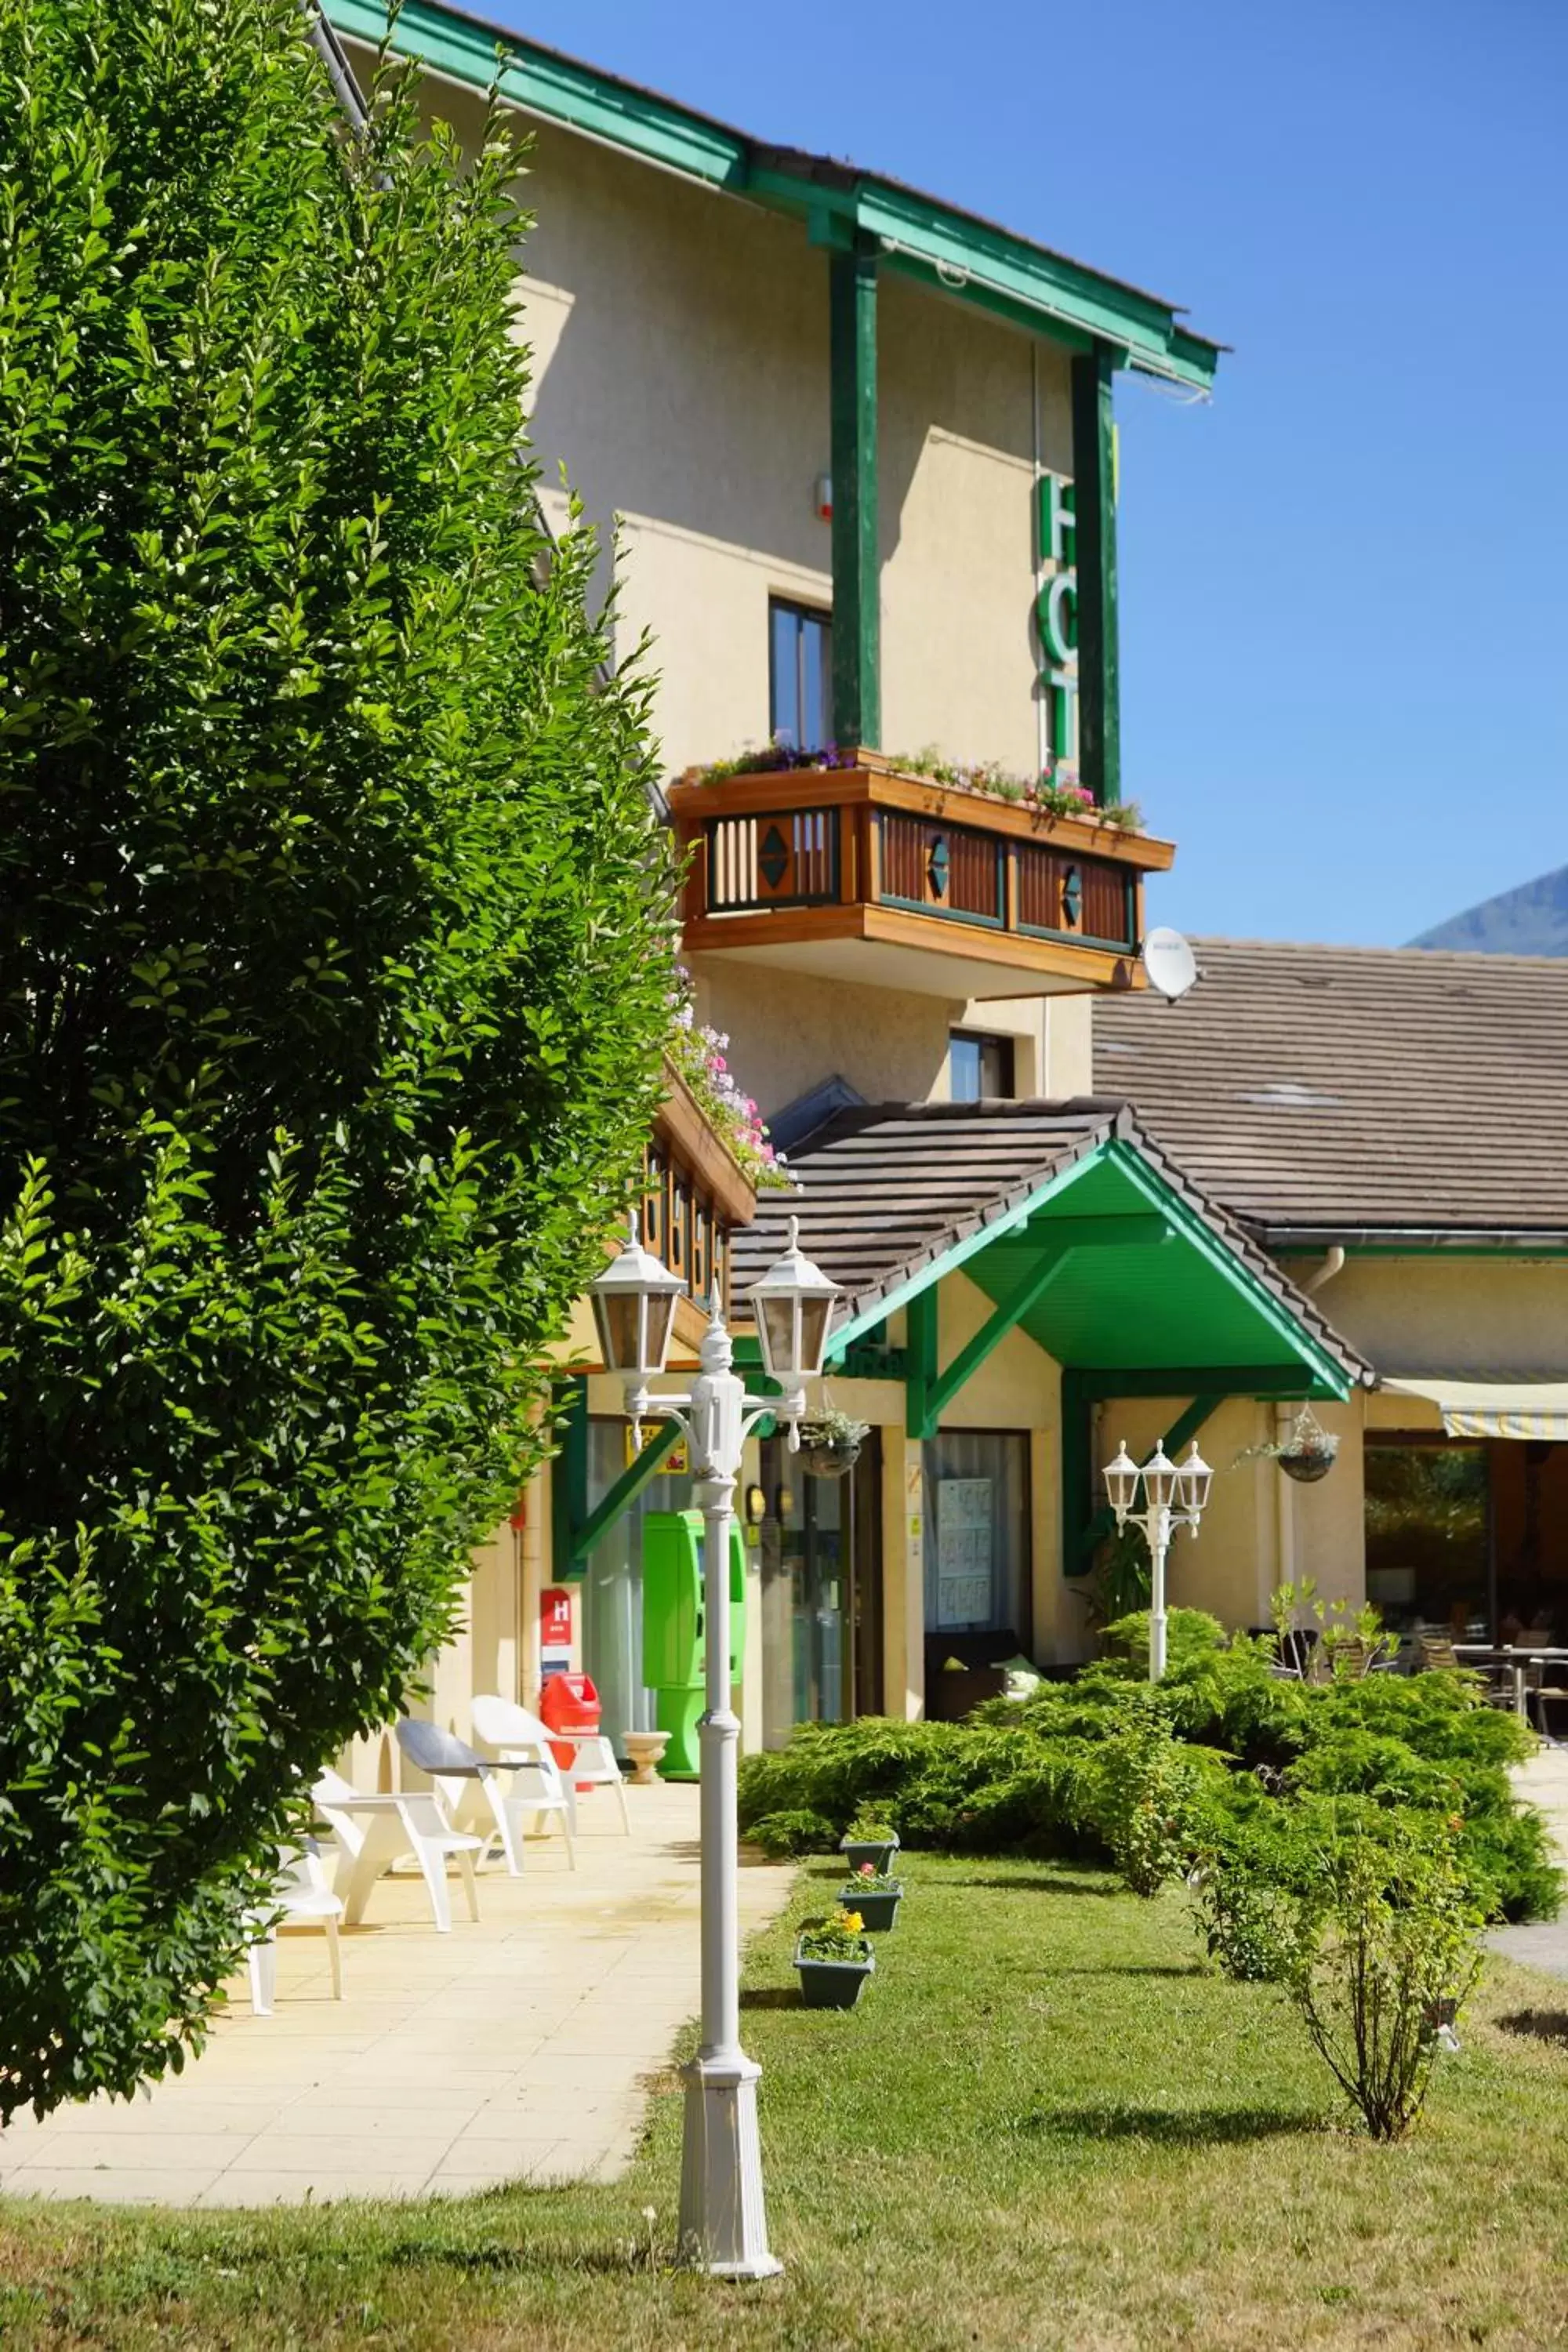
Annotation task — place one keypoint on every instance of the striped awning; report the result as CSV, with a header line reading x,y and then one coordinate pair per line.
x,y
1492,1407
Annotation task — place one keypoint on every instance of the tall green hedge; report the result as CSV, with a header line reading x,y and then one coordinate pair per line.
x,y
334,964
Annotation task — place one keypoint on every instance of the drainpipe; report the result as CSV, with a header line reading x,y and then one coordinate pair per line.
x,y
1284,1416
1334,1263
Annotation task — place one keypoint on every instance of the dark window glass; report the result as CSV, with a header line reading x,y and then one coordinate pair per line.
x,y
1426,1514
979,1068
977,1550
800,674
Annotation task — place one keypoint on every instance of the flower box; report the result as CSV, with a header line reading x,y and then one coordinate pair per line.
x,y
832,1984
878,1852
878,1910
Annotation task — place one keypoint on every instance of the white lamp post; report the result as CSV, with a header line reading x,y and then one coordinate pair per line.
x,y
723,2224
1175,1496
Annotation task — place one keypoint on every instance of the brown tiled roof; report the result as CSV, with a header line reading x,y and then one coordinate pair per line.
x,y
1321,1093
888,1188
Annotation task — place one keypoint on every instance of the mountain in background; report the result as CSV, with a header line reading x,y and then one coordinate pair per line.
x,y
1530,921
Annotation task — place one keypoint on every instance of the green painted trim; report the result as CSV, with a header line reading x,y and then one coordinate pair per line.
x,y
1292,1333
941,247
569,1479
940,1393
555,88
1077,1477
856,560
621,1496
1222,1380
1094,505
1058,1240
920,1361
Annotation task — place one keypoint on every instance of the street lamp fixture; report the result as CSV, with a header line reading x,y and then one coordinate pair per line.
x,y
1176,1494
723,2224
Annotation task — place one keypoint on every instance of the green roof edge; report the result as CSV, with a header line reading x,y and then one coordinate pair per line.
x,y
936,244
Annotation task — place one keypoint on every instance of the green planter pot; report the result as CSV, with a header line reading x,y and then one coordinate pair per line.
x,y
832,1984
878,1912
877,1852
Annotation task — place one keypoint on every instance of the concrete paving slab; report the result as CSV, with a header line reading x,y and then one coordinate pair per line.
x,y
518,2047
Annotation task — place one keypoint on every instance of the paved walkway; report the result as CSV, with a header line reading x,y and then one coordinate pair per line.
x,y
1543,1943
516,2048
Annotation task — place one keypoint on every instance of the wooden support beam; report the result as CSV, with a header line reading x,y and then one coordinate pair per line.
x,y
920,1356
573,1538
857,570
1094,507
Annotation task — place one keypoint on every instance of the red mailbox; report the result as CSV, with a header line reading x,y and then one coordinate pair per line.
x,y
569,1702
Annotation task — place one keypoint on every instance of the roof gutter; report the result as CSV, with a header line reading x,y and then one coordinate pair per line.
x,y
1414,1241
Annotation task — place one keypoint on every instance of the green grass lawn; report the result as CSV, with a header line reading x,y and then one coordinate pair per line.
x,y
1048,2123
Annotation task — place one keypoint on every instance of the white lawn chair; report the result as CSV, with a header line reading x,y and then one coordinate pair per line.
x,y
522,1745
593,1764
470,1784
372,1833
301,1893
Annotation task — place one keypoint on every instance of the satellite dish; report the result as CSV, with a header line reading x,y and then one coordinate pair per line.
x,y
1170,964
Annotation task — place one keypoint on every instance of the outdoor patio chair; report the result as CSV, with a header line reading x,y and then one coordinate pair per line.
x,y
470,1784
521,1747
374,1832
594,1765
301,1893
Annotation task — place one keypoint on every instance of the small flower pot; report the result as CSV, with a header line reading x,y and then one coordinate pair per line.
x,y
878,1912
878,1852
832,1984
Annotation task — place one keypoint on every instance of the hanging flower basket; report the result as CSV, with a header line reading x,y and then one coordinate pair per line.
x,y
830,1442
1309,1452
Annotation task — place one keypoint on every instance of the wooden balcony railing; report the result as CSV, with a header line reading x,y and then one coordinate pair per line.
x,y
799,857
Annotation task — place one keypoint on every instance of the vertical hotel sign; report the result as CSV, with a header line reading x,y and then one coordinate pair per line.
x,y
1056,612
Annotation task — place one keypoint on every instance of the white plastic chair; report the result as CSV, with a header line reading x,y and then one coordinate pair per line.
x,y
470,1784
522,1745
301,1893
593,1764
374,1832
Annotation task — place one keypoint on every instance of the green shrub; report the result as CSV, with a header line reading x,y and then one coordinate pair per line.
x,y
1190,1633
334,969
1385,1956
1145,1789
783,1837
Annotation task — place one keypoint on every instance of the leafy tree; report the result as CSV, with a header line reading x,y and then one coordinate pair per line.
x,y
334,965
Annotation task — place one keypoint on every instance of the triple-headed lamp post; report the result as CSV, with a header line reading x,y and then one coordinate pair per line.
x,y
723,2224
1174,1495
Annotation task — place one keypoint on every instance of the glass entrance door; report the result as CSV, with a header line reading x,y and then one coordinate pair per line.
x,y
821,1592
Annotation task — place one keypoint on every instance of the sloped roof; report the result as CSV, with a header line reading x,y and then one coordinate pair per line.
x,y
891,1191
1322,1093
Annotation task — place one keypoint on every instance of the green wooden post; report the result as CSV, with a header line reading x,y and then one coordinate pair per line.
x,y
1077,1475
1094,503
920,1359
569,1479
857,576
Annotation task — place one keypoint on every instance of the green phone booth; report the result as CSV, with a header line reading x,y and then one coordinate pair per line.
x,y
674,1650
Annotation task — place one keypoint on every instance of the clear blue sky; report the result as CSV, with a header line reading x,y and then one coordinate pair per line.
x,y
1344,604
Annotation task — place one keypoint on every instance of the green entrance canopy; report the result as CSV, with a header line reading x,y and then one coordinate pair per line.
x,y
1077,1226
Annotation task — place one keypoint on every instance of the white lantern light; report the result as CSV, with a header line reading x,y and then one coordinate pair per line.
x,y
1121,1477
792,1307
1160,1477
1193,1480
634,1307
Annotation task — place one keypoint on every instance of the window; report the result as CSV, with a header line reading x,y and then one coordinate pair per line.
x,y
977,1559
979,1068
800,670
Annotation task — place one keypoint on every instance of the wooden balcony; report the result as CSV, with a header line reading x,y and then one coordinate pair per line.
x,y
871,874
